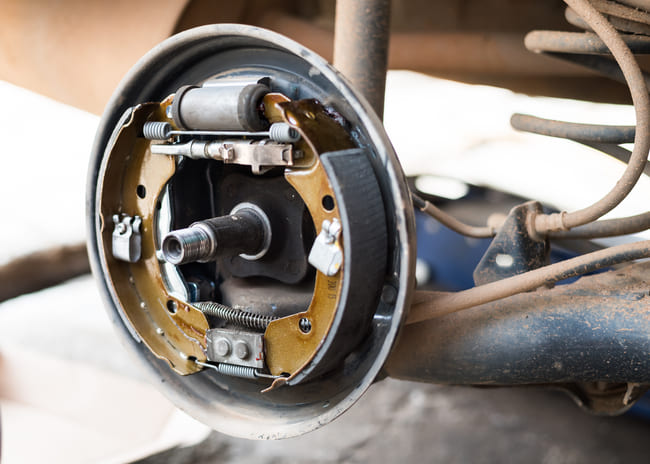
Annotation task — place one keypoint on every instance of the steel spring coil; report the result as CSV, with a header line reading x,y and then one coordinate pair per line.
x,y
235,316
243,372
156,130
283,132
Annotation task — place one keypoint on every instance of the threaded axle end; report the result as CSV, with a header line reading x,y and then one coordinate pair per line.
x,y
187,245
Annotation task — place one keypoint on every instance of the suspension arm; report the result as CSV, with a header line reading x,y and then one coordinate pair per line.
x,y
595,329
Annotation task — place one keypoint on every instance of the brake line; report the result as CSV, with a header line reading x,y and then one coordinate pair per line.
x,y
450,221
441,304
545,223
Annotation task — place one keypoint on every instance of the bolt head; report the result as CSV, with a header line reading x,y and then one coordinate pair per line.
x,y
388,294
222,347
226,152
121,228
241,350
305,325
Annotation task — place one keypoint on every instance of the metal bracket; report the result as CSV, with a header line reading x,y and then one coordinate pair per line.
x,y
236,347
513,250
259,155
127,241
326,254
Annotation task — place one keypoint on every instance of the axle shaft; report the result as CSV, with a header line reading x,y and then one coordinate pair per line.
x,y
245,232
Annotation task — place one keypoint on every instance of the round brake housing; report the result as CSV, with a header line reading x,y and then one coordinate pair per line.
x,y
251,230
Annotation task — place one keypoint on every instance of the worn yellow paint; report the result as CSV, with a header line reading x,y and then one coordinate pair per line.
x,y
138,286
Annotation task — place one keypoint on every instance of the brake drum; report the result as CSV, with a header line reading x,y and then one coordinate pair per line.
x,y
250,230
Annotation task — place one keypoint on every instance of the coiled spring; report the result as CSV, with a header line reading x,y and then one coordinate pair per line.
x,y
243,372
235,316
156,130
284,133
278,132
232,370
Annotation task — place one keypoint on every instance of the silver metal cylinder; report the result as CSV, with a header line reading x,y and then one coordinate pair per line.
x,y
227,106
245,232
188,245
194,149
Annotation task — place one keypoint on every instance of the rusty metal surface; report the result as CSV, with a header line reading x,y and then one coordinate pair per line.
x,y
482,54
641,4
431,305
573,131
361,37
605,398
607,228
595,329
626,25
451,222
580,42
619,10
515,249
564,45
474,56
617,45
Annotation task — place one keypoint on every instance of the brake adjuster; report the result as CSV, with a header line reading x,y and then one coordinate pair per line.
x,y
250,228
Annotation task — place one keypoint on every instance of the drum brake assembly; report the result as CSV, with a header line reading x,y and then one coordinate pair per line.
x,y
251,230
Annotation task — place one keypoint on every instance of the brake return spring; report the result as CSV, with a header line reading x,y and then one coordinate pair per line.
x,y
235,316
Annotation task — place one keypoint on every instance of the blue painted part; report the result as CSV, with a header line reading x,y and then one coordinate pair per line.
x,y
451,257
641,408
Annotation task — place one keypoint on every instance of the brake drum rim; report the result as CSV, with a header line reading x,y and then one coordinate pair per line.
x,y
129,93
